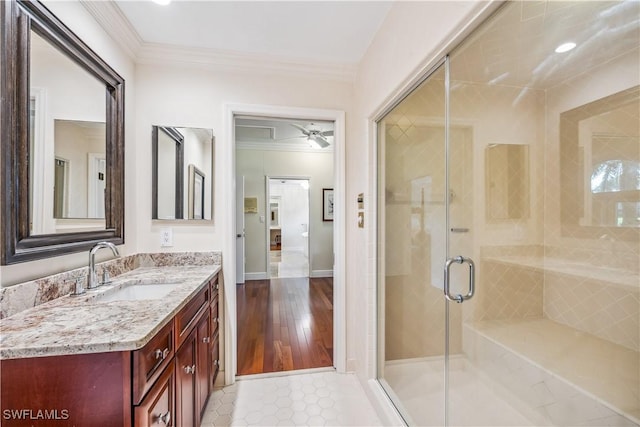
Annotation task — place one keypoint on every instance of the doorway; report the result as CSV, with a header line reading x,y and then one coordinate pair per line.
x,y
285,306
288,216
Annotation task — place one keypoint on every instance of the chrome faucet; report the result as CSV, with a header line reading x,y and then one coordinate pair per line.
x,y
92,281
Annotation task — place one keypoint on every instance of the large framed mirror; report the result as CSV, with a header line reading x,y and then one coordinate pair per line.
x,y
182,176
62,129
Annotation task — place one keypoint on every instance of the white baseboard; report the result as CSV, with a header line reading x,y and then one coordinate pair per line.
x,y
322,273
256,276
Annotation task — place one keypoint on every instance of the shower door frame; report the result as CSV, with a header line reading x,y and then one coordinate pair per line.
x,y
441,59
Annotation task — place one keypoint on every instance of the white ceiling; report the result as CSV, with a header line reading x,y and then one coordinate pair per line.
x,y
320,31
517,47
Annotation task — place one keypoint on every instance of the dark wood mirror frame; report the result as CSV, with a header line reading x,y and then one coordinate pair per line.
x,y
18,18
179,141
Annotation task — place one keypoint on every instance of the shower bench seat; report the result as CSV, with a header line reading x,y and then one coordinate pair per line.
x,y
567,376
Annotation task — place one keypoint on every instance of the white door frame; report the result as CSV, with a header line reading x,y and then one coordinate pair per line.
x,y
339,232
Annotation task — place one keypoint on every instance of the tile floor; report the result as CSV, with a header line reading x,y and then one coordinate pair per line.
x,y
289,263
419,388
309,399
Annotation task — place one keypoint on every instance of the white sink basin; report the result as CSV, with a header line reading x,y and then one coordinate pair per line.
x,y
137,292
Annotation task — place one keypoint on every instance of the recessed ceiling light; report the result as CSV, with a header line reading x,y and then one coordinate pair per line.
x,y
162,2
565,47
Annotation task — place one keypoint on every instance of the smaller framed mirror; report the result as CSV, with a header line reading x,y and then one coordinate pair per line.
x,y
182,176
507,182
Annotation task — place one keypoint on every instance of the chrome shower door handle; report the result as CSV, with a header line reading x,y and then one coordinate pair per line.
x,y
472,279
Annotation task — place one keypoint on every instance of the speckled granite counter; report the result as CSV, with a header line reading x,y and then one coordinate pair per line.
x,y
76,325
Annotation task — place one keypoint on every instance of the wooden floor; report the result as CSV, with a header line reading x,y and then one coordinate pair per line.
x,y
284,324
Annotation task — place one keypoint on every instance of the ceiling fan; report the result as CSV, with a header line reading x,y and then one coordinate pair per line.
x,y
315,136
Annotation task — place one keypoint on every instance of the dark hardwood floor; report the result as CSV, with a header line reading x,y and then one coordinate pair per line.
x,y
284,324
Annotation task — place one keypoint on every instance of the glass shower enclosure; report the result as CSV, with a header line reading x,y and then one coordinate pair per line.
x,y
509,224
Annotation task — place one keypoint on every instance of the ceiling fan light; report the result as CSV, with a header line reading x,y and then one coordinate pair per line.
x,y
313,143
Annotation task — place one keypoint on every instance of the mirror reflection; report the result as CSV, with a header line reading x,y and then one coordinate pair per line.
x,y
604,135
68,139
507,181
80,168
182,172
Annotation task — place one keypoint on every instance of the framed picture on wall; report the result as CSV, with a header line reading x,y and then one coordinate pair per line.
x,y
327,204
196,193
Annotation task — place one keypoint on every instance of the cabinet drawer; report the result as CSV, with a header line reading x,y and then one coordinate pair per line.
x,y
150,360
186,318
215,318
158,408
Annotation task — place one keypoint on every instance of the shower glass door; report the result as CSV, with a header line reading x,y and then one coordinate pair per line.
x,y
411,242
522,156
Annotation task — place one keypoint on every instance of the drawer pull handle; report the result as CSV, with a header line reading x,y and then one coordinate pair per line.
x,y
215,320
206,340
165,418
190,369
215,362
161,354
217,286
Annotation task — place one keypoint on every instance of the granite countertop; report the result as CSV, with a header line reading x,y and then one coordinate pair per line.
x,y
84,324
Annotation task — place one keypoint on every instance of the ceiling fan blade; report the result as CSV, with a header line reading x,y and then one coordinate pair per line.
x,y
327,133
323,143
291,137
300,128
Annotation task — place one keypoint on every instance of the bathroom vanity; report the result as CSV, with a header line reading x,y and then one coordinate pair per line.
x,y
143,351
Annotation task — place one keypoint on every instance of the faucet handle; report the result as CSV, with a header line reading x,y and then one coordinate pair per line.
x,y
106,278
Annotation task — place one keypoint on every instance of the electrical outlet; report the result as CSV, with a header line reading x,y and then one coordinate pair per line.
x,y
166,237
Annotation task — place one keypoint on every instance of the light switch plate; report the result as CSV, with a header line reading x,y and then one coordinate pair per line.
x,y
166,237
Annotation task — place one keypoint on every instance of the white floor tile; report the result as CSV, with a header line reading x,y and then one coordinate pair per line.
x,y
316,399
289,263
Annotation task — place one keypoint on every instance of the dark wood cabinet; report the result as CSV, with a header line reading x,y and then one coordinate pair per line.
x,y
158,406
186,382
166,382
74,390
203,364
151,360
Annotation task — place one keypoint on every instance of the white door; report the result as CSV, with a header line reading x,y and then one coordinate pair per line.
x,y
97,164
240,259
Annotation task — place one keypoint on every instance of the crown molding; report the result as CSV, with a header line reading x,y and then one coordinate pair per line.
x,y
115,23
151,53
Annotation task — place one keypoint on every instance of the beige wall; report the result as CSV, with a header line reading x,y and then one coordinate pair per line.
x,y
255,165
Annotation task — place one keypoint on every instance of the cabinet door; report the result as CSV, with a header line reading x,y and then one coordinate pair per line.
x,y
157,408
215,359
186,382
202,363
